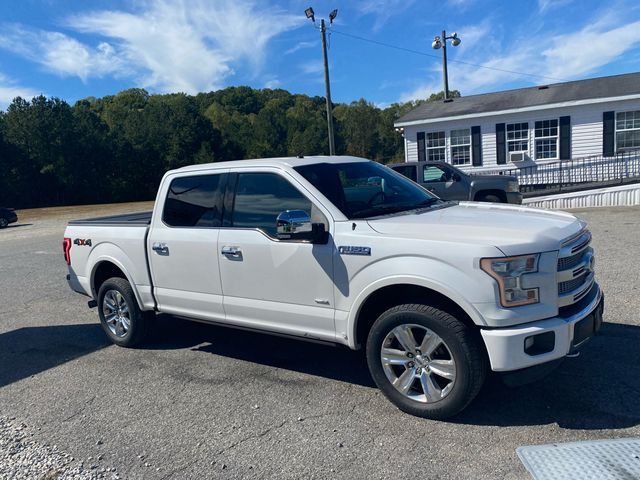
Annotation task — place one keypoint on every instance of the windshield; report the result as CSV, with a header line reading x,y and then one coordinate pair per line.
x,y
366,189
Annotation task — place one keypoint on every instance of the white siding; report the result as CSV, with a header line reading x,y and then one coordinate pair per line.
x,y
586,130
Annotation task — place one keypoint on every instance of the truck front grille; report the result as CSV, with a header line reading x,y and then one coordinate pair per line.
x,y
571,285
575,269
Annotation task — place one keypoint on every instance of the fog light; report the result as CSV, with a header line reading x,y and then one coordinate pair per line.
x,y
539,344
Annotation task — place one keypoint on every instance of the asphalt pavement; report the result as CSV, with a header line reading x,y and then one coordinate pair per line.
x,y
209,402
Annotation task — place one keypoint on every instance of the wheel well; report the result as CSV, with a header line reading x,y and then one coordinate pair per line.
x,y
388,297
104,271
498,193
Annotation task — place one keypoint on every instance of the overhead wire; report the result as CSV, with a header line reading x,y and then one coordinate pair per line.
x,y
424,54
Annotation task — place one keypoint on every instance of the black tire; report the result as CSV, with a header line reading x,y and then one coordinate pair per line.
x,y
461,343
138,320
4,222
491,199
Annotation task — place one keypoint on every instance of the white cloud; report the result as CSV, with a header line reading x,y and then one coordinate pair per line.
x,y
544,5
189,45
566,56
383,10
184,45
300,46
10,90
585,51
312,68
272,83
60,53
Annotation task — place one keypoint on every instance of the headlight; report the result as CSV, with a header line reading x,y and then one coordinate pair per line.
x,y
513,187
508,272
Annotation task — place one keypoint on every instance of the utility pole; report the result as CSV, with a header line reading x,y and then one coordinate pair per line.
x,y
444,67
441,42
323,34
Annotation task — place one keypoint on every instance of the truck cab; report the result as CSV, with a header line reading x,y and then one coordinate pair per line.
x,y
451,183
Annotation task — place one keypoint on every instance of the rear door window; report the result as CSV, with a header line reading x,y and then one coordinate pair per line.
x,y
194,201
408,171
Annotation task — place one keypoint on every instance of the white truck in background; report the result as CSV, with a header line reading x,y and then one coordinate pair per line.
x,y
347,251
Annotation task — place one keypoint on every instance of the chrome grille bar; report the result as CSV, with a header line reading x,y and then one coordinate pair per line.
x,y
575,269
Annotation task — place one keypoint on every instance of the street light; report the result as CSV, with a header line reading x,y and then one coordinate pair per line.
x,y
323,34
309,13
441,42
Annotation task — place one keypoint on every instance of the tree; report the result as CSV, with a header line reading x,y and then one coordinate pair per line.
x,y
358,125
117,148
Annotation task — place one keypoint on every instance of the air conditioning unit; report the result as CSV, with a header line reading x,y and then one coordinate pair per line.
x,y
517,157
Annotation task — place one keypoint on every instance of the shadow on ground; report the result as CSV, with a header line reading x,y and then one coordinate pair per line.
x,y
334,362
598,390
18,225
31,350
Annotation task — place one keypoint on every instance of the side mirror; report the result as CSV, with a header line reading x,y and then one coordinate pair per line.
x,y
455,177
296,225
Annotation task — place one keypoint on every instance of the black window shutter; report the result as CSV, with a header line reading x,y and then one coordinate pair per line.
x,y
608,134
422,152
501,151
476,146
565,138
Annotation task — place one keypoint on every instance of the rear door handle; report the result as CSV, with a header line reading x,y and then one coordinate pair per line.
x,y
160,248
234,252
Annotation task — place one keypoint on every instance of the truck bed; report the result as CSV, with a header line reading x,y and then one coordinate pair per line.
x,y
123,220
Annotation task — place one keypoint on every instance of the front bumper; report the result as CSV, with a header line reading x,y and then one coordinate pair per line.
x,y
514,197
506,346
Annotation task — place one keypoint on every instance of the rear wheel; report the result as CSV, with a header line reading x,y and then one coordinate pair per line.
x,y
425,361
121,318
3,222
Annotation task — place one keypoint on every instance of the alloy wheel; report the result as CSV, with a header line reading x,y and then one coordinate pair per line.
x,y
418,363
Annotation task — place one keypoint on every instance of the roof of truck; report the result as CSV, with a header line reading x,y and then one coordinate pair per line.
x,y
274,162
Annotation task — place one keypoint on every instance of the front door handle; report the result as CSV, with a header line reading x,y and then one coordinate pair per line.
x,y
160,248
234,252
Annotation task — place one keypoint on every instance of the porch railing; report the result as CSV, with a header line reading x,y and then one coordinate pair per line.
x,y
575,174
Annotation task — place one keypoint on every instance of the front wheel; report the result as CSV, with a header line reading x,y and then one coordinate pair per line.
x,y
425,361
3,222
121,318
490,199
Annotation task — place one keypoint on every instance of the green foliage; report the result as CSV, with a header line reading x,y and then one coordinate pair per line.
x,y
117,148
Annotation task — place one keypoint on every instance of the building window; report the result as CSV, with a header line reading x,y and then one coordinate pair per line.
x,y
518,137
546,139
436,147
461,146
628,130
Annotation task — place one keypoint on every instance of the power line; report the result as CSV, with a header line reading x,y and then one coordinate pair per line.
x,y
417,52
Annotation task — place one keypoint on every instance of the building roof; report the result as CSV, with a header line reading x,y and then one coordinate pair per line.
x,y
579,91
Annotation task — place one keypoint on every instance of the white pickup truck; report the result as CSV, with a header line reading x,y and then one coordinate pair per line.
x,y
347,251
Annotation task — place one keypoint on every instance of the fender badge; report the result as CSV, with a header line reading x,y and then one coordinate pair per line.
x,y
351,250
81,242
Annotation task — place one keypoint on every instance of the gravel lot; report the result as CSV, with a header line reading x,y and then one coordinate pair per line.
x,y
209,402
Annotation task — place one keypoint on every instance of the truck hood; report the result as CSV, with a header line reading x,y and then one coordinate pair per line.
x,y
514,230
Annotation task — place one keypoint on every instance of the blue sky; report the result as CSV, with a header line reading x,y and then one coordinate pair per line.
x,y
72,49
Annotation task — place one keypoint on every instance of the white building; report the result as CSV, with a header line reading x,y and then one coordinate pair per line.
x,y
527,126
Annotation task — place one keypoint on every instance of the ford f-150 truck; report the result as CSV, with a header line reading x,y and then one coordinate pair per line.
x,y
347,251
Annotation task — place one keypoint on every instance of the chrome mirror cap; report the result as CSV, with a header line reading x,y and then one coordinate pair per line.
x,y
292,222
